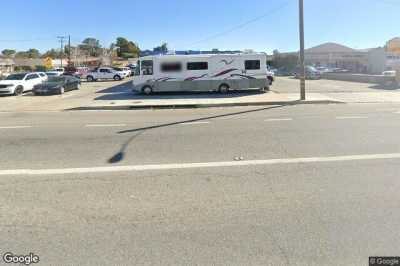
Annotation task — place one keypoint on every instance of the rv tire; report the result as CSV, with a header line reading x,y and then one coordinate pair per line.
x,y
147,90
223,88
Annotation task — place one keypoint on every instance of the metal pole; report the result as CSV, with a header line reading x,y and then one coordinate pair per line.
x,y
69,49
61,38
302,68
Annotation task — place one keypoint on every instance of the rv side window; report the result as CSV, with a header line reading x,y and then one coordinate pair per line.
x,y
197,66
171,67
252,64
147,67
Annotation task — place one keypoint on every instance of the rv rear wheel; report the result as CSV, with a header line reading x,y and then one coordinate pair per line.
x,y
223,88
147,90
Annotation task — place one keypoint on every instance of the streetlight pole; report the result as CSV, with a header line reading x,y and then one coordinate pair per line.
x,y
302,68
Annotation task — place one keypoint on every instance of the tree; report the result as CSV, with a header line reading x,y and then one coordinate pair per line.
x,y
53,53
126,48
8,52
163,48
91,46
31,53
288,61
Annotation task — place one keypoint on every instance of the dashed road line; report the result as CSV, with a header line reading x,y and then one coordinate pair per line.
x,y
278,119
14,127
105,125
350,117
195,123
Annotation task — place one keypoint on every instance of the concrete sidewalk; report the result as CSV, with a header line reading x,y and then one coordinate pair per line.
x,y
202,100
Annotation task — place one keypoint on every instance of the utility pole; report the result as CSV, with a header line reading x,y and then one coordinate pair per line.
x,y
69,49
302,67
61,40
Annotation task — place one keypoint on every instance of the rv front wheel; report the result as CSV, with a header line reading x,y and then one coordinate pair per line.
x,y
147,90
223,88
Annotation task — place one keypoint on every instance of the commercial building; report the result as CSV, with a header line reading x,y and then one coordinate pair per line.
x,y
372,60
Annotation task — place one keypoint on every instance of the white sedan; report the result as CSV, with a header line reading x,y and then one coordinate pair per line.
x,y
16,84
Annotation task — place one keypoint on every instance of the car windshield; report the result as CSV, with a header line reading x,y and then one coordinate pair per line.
x,y
16,76
118,69
51,74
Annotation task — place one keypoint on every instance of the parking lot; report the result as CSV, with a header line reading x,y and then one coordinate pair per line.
x,y
118,93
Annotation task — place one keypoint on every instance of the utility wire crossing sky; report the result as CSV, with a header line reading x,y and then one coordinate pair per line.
x,y
255,24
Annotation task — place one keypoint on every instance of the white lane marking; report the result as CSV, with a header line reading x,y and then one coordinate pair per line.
x,y
350,117
398,112
105,125
278,119
149,167
15,127
195,123
231,117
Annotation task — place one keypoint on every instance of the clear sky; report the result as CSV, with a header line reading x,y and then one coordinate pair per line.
x,y
262,25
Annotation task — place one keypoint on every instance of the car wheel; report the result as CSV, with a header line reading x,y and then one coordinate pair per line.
x,y
61,91
117,77
147,90
223,88
90,78
18,91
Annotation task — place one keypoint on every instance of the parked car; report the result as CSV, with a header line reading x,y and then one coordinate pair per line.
x,y
125,70
390,73
59,69
57,85
310,71
132,67
76,71
323,69
283,72
53,73
42,75
16,84
270,76
105,73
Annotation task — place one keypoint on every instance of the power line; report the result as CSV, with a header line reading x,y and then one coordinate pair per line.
x,y
244,24
28,40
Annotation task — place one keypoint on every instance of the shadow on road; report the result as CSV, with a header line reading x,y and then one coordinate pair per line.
x,y
387,87
119,156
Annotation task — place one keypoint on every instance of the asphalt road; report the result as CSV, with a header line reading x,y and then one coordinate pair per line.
x,y
280,185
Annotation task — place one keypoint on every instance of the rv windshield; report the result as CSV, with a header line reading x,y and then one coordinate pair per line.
x,y
137,68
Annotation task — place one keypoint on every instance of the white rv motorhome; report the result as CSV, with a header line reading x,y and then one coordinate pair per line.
x,y
222,72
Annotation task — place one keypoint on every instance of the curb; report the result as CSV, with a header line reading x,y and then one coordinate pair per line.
x,y
193,106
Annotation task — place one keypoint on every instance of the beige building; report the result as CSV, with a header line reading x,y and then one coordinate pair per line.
x,y
337,55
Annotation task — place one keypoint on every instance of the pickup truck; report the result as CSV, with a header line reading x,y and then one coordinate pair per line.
x,y
105,73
